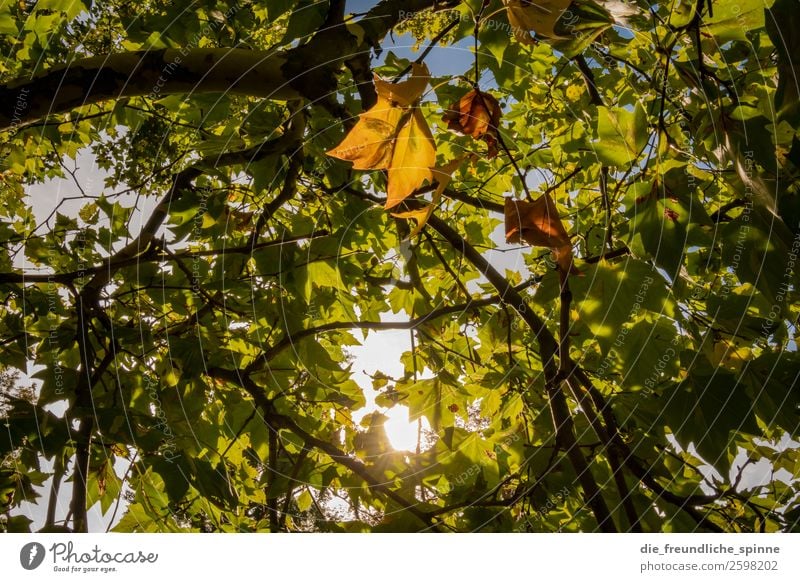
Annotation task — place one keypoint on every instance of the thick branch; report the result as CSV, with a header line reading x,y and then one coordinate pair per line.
x,y
156,73
622,452
304,72
548,349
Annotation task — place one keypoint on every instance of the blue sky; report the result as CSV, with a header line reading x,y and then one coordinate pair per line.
x,y
442,60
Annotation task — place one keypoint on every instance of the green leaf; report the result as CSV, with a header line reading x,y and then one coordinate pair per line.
x,y
622,134
733,19
647,353
774,386
682,12
707,410
608,295
783,27
8,24
318,274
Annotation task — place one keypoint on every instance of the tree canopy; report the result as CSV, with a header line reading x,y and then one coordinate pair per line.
x,y
583,216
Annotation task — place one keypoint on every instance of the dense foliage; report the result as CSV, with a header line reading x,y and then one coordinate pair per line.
x,y
620,355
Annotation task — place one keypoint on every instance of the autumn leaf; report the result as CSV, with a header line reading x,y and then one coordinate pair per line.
x,y
476,114
414,156
407,93
538,224
442,177
370,143
393,135
539,16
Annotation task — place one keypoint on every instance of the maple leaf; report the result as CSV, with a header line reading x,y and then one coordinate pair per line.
x,y
412,160
406,93
369,145
476,114
393,135
539,16
538,224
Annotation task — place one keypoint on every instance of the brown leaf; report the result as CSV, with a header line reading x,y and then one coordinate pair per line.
x,y
476,114
538,224
539,16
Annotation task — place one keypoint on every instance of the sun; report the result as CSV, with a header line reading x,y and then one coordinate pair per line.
x,y
402,432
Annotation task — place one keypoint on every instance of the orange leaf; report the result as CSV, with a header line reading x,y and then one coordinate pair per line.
x,y
538,224
406,93
370,144
476,114
414,156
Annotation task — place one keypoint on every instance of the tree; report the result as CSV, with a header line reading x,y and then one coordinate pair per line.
x,y
277,183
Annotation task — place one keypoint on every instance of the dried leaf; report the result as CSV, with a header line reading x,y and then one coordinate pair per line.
x,y
539,16
370,144
414,156
476,114
538,224
408,92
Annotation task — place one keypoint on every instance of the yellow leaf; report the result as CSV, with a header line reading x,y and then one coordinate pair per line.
x,y
442,177
413,157
574,92
408,92
729,355
539,16
420,215
369,145
444,174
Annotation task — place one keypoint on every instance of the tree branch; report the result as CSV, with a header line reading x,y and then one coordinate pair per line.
x,y
548,348
303,72
291,338
275,421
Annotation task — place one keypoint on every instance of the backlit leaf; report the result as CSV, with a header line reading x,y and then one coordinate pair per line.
x,y
412,161
369,145
539,16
